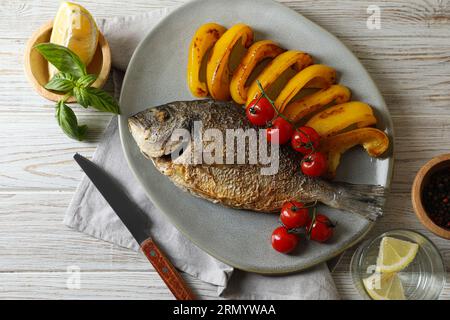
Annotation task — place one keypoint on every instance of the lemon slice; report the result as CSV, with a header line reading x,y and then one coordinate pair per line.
x,y
395,254
384,286
75,28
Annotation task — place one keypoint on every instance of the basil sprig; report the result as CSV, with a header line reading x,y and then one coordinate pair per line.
x,y
68,122
64,59
63,82
73,80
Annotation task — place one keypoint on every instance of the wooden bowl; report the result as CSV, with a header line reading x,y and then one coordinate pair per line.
x,y
36,67
420,181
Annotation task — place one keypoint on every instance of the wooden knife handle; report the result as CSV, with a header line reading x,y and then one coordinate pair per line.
x,y
167,271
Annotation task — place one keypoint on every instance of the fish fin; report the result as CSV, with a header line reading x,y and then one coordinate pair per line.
x,y
365,200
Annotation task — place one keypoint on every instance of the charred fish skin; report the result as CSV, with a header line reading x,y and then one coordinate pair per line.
x,y
153,128
240,186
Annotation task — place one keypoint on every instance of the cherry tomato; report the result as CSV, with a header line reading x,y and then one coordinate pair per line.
x,y
282,128
260,111
283,241
314,164
294,215
305,139
322,229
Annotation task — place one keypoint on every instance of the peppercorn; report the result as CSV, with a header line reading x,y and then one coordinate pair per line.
x,y
436,197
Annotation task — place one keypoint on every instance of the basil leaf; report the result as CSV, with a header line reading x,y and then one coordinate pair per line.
x,y
86,81
82,96
62,82
64,59
98,99
68,122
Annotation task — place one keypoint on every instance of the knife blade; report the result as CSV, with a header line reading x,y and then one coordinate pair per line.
x,y
135,221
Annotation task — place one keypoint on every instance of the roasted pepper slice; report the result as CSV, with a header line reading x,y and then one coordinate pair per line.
x,y
373,140
301,108
341,116
300,80
204,39
217,69
276,68
256,53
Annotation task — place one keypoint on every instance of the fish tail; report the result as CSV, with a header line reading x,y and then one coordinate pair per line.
x,y
365,200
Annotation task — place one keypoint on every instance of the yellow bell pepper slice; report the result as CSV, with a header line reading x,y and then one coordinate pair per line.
x,y
276,68
309,104
374,141
217,69
342,116
258,52
204,39
301,79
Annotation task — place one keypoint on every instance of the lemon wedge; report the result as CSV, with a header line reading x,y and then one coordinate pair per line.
x,y
75,28
384,286
395,254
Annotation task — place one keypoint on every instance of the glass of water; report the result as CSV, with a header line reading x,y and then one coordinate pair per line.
x,y
422,279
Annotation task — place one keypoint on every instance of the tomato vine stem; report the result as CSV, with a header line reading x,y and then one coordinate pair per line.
x,y
309,144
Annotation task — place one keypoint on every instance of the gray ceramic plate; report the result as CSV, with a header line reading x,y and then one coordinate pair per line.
x,y
157,75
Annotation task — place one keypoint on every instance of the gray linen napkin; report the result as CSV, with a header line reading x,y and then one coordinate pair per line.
x,y
89,212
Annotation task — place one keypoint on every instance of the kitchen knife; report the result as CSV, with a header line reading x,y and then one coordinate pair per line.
x,y
136,222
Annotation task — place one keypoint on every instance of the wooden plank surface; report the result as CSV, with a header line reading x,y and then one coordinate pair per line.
x,y
408,59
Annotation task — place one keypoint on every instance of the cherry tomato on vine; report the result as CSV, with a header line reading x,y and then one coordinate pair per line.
x,y
283,241
282,128
322,229
305,139
314,164
260,111
294,215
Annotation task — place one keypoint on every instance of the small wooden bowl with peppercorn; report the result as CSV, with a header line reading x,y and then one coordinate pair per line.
x,y
431,195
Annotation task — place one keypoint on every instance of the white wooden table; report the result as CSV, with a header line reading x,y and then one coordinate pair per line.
x,y
409,58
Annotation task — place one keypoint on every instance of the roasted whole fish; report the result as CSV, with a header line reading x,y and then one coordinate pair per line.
x,y
241,185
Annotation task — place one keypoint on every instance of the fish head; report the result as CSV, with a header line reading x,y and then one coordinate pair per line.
x,y
153,128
